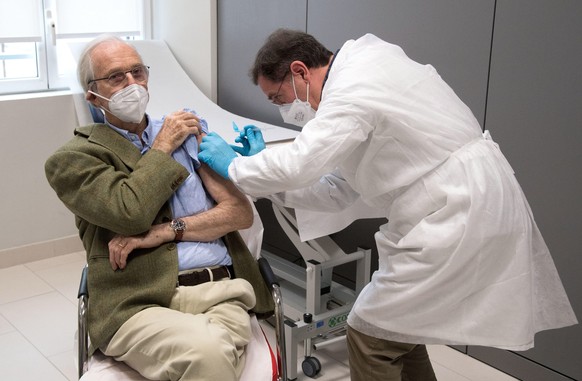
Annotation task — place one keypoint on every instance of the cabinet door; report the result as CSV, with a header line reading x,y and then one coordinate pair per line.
x,y
453,36
534,111
243,26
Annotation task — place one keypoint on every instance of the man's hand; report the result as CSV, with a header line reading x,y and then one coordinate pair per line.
x,y
251,139
176,128
120,247
216,153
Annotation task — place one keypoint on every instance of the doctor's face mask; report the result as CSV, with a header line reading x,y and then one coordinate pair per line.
x,y
299,112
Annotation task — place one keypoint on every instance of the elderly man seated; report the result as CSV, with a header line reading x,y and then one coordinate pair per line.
x,y
157,226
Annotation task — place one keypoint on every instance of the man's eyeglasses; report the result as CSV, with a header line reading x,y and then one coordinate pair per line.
x,y
139,73
275,99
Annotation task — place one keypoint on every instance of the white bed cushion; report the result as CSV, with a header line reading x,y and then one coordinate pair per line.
x,y
260,363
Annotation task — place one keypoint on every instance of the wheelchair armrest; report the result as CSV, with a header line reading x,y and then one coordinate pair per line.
x,y
271,279
267,273
83,285
83,340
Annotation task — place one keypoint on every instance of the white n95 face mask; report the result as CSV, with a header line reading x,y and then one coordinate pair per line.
x,y
299,112
128,104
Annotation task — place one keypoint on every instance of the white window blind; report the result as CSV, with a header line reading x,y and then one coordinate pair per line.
x,y
21,21
82,18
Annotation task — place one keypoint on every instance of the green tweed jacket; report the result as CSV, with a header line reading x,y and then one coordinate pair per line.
x,y
112,189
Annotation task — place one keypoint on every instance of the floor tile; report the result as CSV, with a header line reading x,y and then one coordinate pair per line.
x,y
63,277
331,368
336,350
445,374
464,365
56,261
5,326
65,362
47,321
19,282
19,360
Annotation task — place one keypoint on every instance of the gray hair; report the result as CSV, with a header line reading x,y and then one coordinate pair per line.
x,y
85,72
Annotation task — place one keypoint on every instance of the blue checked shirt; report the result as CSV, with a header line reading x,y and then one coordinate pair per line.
x,y
190,198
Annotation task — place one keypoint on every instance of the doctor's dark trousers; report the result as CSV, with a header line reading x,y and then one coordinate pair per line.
x,y
383,360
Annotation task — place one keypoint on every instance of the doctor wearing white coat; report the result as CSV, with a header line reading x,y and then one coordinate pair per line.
x,y
461,260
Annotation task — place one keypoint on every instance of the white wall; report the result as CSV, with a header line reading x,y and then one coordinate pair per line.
x,y
189,29
34,223
32,128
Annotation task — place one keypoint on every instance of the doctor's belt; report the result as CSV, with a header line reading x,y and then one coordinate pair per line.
x,y
195,277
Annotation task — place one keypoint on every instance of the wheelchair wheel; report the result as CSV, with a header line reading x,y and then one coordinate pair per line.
x,y
311,366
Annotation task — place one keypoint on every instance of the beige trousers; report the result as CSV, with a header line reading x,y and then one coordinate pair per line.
x,y
201,336
377,359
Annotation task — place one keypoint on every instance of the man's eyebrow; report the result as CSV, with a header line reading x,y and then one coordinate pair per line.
x,y
118,68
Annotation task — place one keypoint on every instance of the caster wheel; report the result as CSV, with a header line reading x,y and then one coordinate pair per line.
x,y
311,366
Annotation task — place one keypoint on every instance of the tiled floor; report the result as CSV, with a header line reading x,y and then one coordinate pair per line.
x,y
38,323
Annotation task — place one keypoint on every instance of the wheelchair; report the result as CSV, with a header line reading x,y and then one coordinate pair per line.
x,y
261,363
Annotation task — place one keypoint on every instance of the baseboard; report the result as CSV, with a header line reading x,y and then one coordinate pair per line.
x,y
40,250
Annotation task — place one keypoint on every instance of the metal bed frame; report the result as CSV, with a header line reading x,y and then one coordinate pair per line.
x,y
316,307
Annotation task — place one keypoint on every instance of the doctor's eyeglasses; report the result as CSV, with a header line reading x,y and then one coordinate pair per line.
x,y
276,98
139,73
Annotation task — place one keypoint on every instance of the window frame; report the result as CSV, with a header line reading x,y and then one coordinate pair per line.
x,y
47,55
27,85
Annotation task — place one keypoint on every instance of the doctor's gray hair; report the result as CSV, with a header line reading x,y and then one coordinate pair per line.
x,y
281,48
85,72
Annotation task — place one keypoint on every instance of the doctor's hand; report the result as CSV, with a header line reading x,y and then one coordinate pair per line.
x,y
216,153
252,141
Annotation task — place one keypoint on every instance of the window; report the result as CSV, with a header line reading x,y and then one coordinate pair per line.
x,y
40,39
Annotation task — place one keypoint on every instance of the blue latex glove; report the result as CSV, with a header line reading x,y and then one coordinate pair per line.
x,y
216,153
251,139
